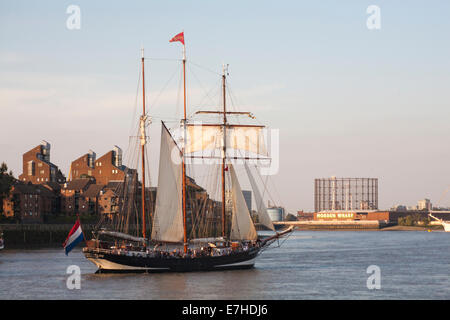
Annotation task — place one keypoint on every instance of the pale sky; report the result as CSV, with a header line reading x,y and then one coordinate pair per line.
x,y
348,101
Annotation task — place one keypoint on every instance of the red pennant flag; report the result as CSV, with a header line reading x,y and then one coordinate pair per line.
x,y
178,37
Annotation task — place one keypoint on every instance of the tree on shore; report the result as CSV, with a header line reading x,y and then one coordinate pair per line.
x,y
6,182
414,220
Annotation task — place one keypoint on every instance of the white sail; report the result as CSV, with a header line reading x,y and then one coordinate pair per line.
x,y
446,226
246,138
121,235
242,227
262,210
201,138
168,218
210,137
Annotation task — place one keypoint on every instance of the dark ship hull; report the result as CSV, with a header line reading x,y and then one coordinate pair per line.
x,y
109,261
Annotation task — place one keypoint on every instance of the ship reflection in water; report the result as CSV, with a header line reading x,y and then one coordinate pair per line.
x,y
309,265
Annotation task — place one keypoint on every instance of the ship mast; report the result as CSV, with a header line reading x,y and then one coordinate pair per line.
x,y
224,150
183,158
143,142
180,37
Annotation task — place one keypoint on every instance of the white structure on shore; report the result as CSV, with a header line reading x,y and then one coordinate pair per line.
x,y
424,204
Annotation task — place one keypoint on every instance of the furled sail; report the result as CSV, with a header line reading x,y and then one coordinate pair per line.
x,y
121,235
262,210
168,218
242,227
238,137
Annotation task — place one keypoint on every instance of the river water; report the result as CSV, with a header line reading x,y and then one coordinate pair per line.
x,y
308,265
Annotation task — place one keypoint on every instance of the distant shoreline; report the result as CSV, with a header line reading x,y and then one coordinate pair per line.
x,y
19,237
412,228
389,228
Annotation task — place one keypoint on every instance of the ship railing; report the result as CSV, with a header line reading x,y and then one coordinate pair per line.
x,y
116,251
213,253
100,250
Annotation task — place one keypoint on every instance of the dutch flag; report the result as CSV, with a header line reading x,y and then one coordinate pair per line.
x,y
75,236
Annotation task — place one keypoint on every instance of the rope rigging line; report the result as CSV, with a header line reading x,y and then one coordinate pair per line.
x,y
133,123
177,111
162,59
268,248
207,94
153,103
233,97
204,68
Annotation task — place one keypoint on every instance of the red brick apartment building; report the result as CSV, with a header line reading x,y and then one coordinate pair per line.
x,y
42,189
83,167
30,203
89,200
72,194
37,167
104,169
108,203
106,174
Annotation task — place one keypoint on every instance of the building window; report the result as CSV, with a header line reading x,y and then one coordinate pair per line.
x,y
31,168
53,173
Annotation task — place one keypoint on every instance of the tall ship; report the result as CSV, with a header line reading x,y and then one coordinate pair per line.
x,y
184,228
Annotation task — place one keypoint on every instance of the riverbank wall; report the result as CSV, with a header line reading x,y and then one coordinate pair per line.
x,y
334,225
23,236
29,236
373,225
